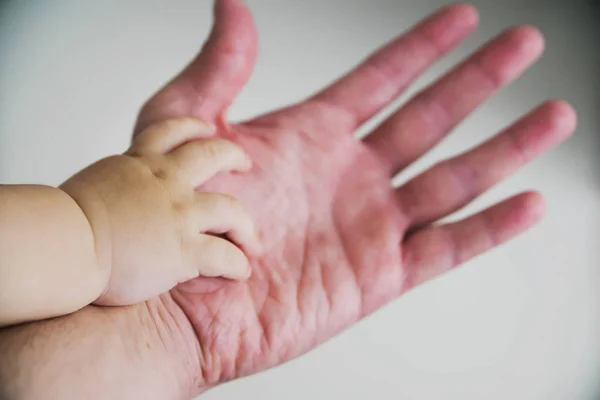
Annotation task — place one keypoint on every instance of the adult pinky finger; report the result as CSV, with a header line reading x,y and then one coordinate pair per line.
x,y
434,250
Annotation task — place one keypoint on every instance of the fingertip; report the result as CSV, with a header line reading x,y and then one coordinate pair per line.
x,y
529,37
252,245
466,12
200,126
450,25
230,15
246,272
564,116
243,165
532,206
242,271
219,5
165,135
245,162
257,247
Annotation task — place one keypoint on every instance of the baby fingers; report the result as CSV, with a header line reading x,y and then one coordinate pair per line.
x,y
167,135
201,159
222,214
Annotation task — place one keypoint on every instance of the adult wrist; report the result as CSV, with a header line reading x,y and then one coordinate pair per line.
x,y
143,351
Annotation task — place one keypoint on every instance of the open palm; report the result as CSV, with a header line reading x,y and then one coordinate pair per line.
x,y
339,240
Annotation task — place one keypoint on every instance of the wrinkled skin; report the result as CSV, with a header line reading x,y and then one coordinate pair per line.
x,y
339,240
334,230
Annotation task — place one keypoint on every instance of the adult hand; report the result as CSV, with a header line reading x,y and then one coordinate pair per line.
x,y
339,240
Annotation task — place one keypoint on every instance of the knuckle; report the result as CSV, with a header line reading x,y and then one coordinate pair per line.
x,y
160,168
160,173
182,207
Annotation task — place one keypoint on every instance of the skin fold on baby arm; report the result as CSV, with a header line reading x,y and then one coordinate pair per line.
x,y
107,233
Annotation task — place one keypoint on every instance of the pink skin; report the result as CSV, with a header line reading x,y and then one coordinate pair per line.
x,y
333,228
339,240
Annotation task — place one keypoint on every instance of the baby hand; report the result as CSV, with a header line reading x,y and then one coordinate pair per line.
x,y
152,229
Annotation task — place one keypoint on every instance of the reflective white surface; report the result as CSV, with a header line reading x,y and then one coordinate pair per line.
x,y
520,322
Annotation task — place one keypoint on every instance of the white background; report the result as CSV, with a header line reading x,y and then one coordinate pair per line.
x,y
518,323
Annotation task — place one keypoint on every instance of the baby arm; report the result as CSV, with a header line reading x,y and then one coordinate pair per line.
x,y
48,264
125,229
